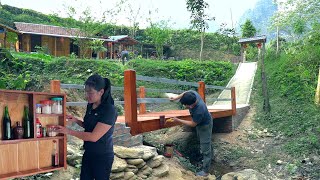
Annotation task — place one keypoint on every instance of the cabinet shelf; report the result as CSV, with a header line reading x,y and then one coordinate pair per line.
x,y
14,141
29,172
25,157
49,115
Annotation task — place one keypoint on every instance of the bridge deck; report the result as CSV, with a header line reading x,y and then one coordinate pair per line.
x,y
151,121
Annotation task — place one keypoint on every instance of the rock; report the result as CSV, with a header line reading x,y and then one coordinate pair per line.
x,y
131,168
118,175
74,160
128,153
247,174
161,171
135,161
279,162
145,171
128,175
211,177
141,165
156,161
149,152
118,165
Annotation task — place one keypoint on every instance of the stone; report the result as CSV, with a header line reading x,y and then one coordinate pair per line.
x,y
146,171
247,174
211,177
161,171
117,175
156,161
131,168
141,165
128,175
128,153
149,152
118,165
135,161
74,160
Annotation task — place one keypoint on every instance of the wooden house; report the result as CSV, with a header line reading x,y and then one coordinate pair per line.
x,y
59,41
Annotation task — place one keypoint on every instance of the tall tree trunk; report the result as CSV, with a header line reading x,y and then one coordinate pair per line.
x,y
277,40
202,39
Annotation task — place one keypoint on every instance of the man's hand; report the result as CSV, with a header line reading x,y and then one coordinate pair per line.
x,y
172,99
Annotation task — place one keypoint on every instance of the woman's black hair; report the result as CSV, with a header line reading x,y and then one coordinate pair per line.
x,y
97,82
188,98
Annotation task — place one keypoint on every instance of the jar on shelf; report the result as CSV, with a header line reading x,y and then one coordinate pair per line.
x,y
38,108
56,105
51,130
46,106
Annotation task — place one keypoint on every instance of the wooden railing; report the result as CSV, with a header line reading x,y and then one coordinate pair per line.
x,y
131,99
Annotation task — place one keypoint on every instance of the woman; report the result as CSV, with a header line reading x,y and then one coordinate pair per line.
x,y
99,125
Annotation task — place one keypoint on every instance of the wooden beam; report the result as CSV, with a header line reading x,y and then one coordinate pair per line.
x,y
233,101
142,94
130,101
202,90
55,86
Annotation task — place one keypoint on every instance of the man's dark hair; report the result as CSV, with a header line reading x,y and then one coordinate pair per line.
x,y
188,98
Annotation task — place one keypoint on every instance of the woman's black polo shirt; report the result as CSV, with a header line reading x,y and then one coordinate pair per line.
x,y
104,113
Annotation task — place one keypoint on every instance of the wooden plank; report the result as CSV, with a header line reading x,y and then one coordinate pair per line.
x,y
55,86
233,101
142,106
79,86
84,103
202,90
28,155
9,158
28,172
15,103
165,80
45,152
130,99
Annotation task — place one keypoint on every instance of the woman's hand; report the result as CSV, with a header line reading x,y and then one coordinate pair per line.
x,y
61,129
71,118
175,119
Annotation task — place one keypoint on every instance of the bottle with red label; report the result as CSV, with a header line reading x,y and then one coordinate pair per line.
x,y
38,128
55,155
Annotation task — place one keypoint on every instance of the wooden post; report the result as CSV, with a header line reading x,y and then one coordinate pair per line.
x,y
266,104
162,120
17,46
233,101
142,106
55,86
130,101
202,90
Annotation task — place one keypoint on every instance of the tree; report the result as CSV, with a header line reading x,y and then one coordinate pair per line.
x,y
297,18
199,18
88,28
159,34
248,30
96,46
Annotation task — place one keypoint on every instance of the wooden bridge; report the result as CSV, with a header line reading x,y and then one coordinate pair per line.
x,y
142,121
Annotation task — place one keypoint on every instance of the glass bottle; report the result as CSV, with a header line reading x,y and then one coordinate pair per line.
x,y
18,131
7,131
26,123
55,156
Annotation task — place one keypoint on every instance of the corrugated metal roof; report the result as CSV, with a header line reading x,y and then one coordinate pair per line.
x,y
119,37
261,38
49,30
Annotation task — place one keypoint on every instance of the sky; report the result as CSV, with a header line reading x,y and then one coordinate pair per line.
x,y
224,11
